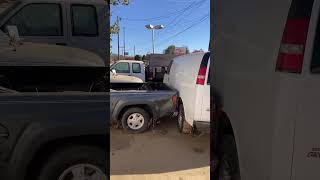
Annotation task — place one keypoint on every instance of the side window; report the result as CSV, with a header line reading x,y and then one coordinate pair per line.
x,y
38,20
84,20
122,67
136,68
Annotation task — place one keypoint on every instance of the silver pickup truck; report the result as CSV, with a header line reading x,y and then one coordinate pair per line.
x,y
136,110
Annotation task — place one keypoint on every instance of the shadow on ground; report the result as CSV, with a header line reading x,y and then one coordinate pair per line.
x,y
161,150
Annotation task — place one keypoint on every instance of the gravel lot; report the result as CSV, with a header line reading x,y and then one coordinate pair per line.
x,y
162,153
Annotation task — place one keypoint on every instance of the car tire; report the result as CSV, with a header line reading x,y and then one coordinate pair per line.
x,y
183,126
228,167
135,120
75,161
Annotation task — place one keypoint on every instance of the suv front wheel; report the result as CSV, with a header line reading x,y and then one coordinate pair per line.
x,y
75,162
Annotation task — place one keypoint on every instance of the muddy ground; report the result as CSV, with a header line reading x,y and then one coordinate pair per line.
x,y
162,153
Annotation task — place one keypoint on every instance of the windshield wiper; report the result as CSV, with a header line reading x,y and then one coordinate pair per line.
x,y
6,90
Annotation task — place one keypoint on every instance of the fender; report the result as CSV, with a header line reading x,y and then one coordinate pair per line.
x,y
36,135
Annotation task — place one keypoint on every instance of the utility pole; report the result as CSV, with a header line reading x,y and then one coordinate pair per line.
x,y
118,24
134,50
124,42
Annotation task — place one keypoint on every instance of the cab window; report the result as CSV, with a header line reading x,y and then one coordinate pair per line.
x,y
136,68
84,20
122,67
38,20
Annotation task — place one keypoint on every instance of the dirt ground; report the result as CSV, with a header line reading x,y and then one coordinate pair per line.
x,y
162,154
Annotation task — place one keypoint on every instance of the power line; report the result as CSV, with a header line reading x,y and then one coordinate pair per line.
x,y
184,30
191,26
194,5
169,15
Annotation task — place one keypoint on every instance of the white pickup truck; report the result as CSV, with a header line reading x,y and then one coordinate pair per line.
x,y
128,71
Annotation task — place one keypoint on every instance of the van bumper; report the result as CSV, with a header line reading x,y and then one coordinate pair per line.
x,y
202,126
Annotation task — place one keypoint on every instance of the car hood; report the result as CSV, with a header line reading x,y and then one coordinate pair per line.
x,y
36,54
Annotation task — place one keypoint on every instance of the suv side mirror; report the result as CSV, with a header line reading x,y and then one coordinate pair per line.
x,y
13,33
114,72
14,38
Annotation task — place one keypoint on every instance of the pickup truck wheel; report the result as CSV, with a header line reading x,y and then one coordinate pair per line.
x,y
76,163
135,120
183,126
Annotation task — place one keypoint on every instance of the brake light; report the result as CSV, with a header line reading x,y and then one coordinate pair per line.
x,y
174,100
290,58
201,76
291,53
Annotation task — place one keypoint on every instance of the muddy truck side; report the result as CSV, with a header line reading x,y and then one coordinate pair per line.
x,y
136,110
45,136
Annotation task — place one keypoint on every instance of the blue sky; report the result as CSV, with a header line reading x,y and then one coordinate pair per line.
x,y
187,23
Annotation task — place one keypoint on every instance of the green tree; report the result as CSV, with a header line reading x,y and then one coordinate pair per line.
x,y
117,2
170,49
138,58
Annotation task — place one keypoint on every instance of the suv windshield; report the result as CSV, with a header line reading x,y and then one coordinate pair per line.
x,y
6,6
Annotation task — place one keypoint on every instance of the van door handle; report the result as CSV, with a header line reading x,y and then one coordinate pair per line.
x,y
61,44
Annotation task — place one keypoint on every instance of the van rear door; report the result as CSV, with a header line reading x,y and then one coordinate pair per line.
x,y
306,154
202,107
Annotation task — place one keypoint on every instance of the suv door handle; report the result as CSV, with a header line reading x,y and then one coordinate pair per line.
x,y
61,44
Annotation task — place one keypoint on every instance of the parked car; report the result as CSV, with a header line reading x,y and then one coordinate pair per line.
x,y
128,71
190,76
74,23
266,73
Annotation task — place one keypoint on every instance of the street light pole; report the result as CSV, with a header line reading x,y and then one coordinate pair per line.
x,y
152,28
152,41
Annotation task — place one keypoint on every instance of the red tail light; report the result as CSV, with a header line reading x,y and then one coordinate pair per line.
x,y
292,47
291,53
174,100
201,76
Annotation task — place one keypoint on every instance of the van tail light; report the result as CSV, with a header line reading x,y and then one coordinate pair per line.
x,y
291,53
201,76
174,101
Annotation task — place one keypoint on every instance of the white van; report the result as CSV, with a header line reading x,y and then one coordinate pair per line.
x,y
266,71
128,71
189,75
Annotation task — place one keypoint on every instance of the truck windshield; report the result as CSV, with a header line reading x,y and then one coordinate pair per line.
x,y
6,6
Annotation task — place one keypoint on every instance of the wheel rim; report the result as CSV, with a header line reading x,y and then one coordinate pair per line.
x,y
135,121
83,172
